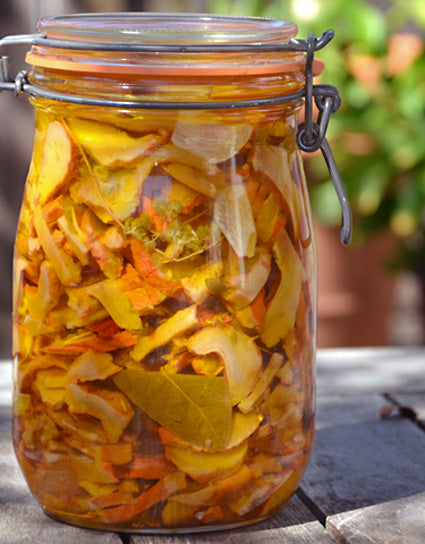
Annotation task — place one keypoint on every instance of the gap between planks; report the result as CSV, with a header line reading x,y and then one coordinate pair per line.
x,y
405,411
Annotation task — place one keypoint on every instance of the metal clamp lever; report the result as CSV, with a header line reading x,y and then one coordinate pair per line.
x,y
312,136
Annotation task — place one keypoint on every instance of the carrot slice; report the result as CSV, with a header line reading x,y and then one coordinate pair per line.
x,y
156,493
148,468
148,270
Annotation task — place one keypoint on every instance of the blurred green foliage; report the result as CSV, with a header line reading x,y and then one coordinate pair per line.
x,y
378,135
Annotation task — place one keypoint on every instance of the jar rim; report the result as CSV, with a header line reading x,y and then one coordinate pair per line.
x,y
145,43
166,28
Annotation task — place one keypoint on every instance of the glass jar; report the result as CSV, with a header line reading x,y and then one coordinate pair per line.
x,y
164,274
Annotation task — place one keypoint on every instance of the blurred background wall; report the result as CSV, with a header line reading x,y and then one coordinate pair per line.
x,y
377,62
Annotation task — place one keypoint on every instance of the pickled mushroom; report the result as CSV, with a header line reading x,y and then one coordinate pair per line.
x,y
175,325
241,357
109,145
88,471
91,366
205,466
80,427
75,236
264,489
51,385
244,288
197,498
281,312
56,161
274,163
195,179
243,426
109,262
252,316
196,285
47,295
115,194
266,378
110,407
215,142
233,214
113,298
170,153
267,217
67,270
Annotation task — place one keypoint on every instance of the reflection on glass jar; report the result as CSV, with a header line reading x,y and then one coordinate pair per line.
x,y
164,302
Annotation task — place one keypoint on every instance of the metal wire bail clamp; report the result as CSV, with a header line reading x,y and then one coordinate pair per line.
x,y
311,135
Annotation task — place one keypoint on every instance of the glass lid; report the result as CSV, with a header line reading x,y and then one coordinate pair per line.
x,y
160,28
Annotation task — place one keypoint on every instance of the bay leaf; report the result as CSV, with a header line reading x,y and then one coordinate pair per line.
x,y
195,408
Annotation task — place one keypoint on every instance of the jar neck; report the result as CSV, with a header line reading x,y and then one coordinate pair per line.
x,y
203,89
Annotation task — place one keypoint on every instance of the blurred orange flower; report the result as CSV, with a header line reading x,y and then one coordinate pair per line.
x,y
365,68
403,50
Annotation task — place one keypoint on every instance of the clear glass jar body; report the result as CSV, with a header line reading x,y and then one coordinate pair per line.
x,y
164,312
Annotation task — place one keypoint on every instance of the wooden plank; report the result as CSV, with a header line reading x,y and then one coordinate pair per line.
x,y
395,522
295,524
21,518
361,461
370,370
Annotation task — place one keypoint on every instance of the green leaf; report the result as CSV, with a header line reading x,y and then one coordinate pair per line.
x,y
195,408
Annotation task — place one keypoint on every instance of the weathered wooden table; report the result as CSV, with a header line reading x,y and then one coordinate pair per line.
x,y
365,482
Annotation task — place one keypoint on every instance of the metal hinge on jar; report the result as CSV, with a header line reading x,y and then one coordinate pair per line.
x,y
311,134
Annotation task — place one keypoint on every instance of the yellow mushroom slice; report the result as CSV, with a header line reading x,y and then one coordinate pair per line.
x,y
233,214
110,407
67,270
196,285
175,325
274,162
205,466
47,295
51,383
245,287
56,162
263,490
267,217
243,426
201,497
241,357
112,296
93,365
195,179
266,378
111,146
116,194
281,312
